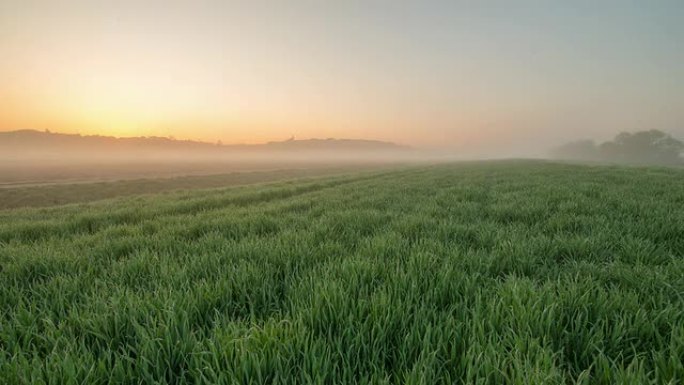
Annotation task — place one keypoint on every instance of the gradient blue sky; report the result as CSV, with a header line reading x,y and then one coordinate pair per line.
x,y
474,75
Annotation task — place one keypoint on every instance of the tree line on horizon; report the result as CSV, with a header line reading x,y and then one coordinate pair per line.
x,y
642,147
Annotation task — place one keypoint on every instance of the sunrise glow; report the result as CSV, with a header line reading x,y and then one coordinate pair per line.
x,y
464,76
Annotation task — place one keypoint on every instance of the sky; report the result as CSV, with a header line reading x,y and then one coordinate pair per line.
x,y
491,75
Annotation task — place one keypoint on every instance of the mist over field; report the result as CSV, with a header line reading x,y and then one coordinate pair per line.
x,y
29,156
32,156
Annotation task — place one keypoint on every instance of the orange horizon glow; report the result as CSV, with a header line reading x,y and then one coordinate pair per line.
x,y
496,77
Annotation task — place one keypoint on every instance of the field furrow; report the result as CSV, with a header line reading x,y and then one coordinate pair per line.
x,y
488,273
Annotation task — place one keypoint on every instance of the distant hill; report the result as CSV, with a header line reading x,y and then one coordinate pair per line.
x,y
32,142
335,144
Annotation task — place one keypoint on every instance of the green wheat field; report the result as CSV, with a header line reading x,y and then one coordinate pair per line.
x,y
515,272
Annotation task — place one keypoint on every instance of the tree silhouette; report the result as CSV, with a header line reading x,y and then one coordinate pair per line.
x,y
652,146
646,147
